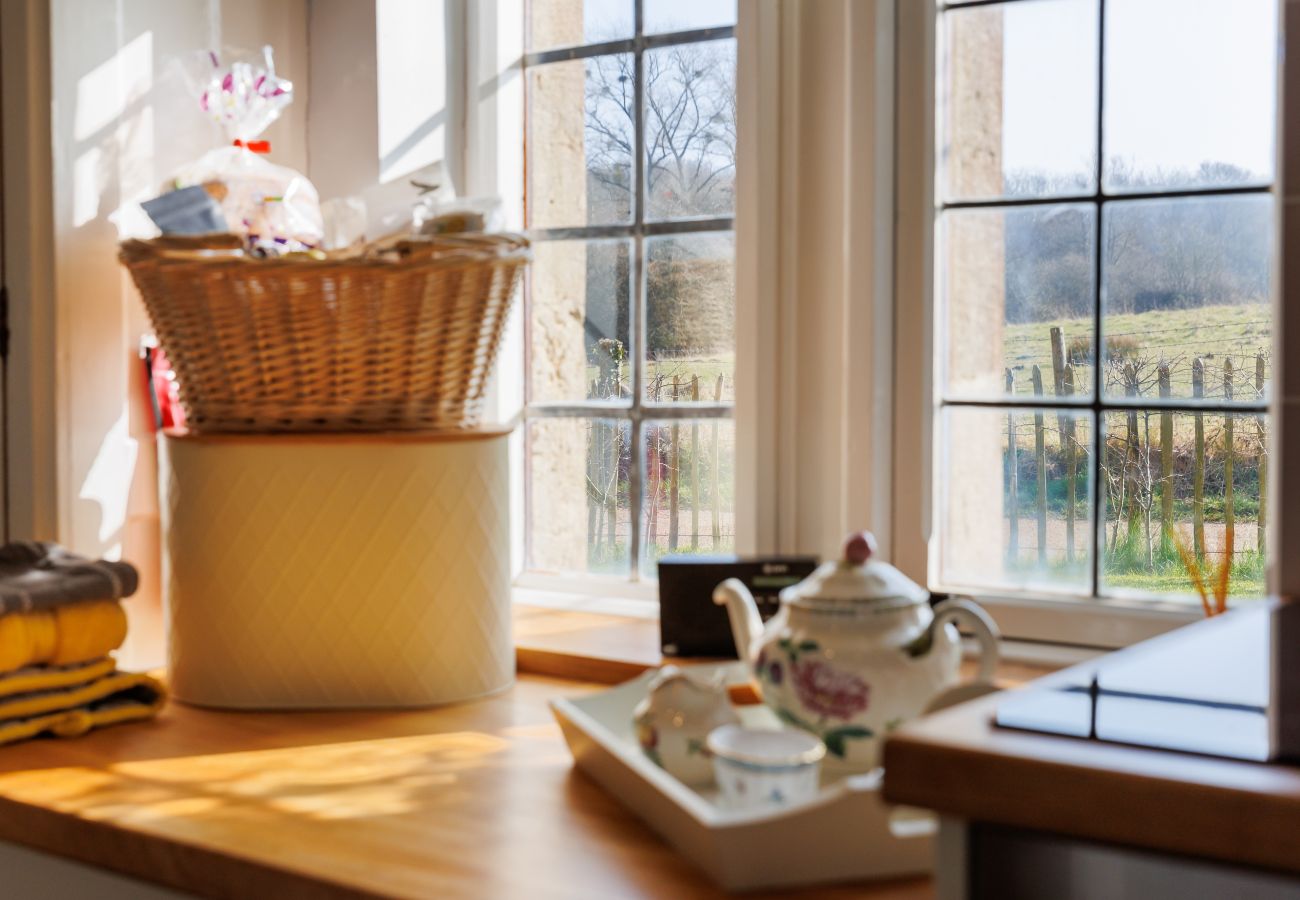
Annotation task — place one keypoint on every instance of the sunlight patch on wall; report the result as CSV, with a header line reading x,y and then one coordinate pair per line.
x,y
412,82
105,483
115,139
87,181
103,93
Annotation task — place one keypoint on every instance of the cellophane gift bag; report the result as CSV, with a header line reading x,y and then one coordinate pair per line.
x,y
274,207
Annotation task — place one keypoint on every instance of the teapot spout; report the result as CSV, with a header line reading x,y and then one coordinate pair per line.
x,y
746,623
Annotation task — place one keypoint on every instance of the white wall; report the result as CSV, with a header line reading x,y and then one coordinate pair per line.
x,y
421,64
120,125
343,130
386,80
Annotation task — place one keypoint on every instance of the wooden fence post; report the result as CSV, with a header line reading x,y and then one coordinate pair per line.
x,y
1068,438
1058,360
1260,543
615,460
595,503
1013,481
714,475
1229,453
611,498
695,469
1040,462
1132,451
1064,422
654,477
674,472
1166,466
1198,464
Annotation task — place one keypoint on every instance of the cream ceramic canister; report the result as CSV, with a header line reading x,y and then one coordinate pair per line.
x,y
673,722
855,650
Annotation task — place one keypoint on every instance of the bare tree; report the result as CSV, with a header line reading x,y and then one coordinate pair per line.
x,y
690,128
690,144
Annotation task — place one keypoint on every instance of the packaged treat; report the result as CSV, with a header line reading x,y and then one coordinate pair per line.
x,y
345,223
391,207
275,207
434,216
190,210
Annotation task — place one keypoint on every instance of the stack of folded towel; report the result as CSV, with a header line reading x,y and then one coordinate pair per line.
x,y
60,618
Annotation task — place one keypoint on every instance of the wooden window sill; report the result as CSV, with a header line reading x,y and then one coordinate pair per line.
x,y
599,648
591,646
609,649
584,646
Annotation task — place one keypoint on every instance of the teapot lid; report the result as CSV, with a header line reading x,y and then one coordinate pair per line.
x,y
857,577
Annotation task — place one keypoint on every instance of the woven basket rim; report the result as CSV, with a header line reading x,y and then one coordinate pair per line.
x,y
440,252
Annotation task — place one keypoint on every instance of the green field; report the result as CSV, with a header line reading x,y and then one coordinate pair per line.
x,y
1213,333
1172,583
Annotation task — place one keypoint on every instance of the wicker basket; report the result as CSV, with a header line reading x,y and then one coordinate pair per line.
x,y
402,341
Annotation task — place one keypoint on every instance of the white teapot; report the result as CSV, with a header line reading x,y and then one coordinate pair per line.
x,y
855,650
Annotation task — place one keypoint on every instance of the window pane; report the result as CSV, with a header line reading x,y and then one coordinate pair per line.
x,y
688,488
578,511
580,142
1018,289
1190,93
1189,478
686,15
690,130
1187,280
552,24
1016,513
690,318
1019,100
578,321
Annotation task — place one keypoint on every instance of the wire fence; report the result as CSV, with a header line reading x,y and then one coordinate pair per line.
x,y
687,483
1164,474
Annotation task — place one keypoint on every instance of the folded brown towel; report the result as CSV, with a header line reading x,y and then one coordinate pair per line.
x,y
41,576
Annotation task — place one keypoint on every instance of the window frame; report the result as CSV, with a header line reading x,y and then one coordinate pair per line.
x,y
890,67
637,232
1085,619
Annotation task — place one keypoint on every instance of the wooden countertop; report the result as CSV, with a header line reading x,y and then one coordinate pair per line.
x,y
957,762
475,800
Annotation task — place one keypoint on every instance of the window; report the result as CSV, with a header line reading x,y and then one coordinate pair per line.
x,y
630,304
1103,284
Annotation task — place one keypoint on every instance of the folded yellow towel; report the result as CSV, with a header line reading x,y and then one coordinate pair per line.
x,y
47,678
75,633
71,700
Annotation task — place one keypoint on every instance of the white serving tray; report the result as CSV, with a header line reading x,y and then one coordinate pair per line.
x,y
846,833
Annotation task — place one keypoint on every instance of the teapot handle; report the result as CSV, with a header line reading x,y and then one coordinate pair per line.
x,y
964,610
